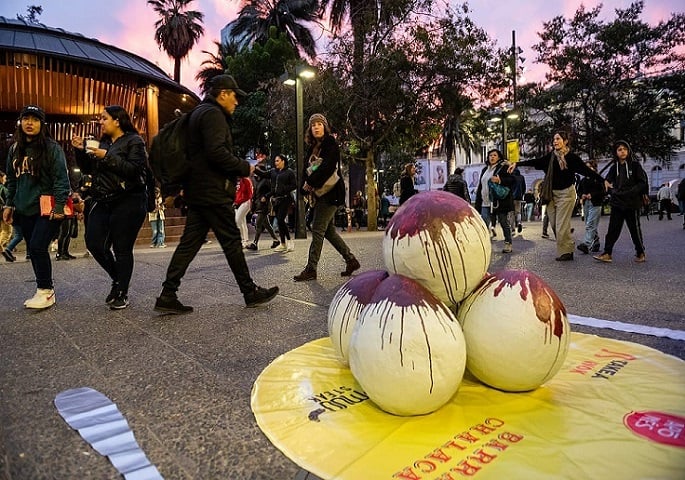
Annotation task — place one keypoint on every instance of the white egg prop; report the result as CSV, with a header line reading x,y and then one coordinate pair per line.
x,y
346,306
407,350
516,330
439,240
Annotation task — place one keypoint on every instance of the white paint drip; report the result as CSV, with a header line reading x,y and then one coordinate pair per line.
x,y
627,327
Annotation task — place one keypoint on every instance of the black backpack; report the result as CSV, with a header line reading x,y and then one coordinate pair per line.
x,y
169,152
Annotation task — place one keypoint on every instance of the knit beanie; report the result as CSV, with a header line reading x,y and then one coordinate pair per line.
x,y
317,117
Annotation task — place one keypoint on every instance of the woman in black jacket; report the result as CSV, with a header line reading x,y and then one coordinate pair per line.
x,y
565,164
118,194
407,189
324,157
487,204
283,182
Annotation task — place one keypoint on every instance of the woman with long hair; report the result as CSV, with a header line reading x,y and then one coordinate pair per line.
x,y
283,182
324,157
36,167
407,188
119,199
489,207
564,166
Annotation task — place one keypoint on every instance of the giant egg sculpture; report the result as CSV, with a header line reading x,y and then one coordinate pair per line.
x,y
346,306
516,331
439,240
407,350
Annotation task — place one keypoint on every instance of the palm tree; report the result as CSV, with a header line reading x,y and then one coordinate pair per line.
x,y
257,17
216,63
177,30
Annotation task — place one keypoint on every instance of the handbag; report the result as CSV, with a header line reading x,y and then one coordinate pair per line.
x,y
47,205
546,193
498,191
328,185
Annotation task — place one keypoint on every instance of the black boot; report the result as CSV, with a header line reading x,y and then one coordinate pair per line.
x,y
350,266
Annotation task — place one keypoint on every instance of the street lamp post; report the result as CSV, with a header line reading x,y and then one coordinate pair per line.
x,y
301,72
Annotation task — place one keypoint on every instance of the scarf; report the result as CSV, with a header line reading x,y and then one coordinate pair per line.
x,y
561,158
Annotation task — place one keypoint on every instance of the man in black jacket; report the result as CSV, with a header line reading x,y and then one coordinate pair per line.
x,y
209,193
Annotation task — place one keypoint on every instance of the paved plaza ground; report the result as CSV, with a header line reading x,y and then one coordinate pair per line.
x,y
183,382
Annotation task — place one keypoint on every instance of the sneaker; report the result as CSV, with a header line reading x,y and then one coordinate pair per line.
x,y
163,245
275,244
493,233
112,293
120,302
545,235
642,258
252,246
171,305
290,245
519,228
281,248
9,256
152,245
350,266
507,248
583,248
259,296
565,257
305,275
44,298
69,256
595,248
605,257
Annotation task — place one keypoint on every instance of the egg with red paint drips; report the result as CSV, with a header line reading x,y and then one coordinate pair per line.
x,y
516,330
346,306
440,241
407,349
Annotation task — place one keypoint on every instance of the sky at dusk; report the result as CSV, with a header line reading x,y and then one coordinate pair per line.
x,y
129,24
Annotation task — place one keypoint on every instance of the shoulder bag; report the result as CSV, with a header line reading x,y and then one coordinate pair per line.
x,y
546,193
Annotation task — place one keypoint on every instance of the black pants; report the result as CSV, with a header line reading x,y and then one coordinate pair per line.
x,y
631,217
67,231
111,234
282,208
261,225
221,219
665,207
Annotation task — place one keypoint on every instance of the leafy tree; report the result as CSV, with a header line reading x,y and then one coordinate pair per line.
x,y
216,63
616,79
32,14
177,30
257,17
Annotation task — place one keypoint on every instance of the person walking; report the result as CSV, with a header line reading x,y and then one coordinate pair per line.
x,y
262,193
665,198
591,196
457,185
156,219
36,167
323,147
209,192
119,202
283,183
243,206
358,209
487,204
529,204
628,182
563,165
5,228
407,188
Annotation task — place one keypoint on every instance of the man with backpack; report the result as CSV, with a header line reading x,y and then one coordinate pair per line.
x,y
457,185
209,191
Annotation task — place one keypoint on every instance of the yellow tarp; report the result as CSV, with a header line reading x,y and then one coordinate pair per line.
x,y
615,410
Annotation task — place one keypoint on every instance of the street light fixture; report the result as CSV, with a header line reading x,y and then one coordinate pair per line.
x,y
504,116
301,72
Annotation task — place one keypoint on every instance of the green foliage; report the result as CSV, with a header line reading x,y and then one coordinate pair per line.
x,y
613,79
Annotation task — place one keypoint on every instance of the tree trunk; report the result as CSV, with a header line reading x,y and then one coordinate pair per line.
x,y
177,70
371,192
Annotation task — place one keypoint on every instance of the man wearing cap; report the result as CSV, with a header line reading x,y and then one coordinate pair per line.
x,y
209,192
35,167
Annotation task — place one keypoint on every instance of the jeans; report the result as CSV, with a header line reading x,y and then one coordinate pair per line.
x,y
39,233
111,234
502,218
529,211
323,226
221,219
17,236
592,213
157,227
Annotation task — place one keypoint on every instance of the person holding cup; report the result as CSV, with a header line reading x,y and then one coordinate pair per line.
x,y
117,165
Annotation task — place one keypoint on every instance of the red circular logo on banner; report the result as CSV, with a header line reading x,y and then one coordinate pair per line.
x,y
660,427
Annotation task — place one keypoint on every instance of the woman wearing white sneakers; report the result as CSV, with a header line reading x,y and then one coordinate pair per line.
x,y
36,167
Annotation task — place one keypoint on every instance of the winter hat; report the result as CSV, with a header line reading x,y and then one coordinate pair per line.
x,y
34,111
317,117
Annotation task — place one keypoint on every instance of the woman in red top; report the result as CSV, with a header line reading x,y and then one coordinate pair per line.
x,y
243,204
